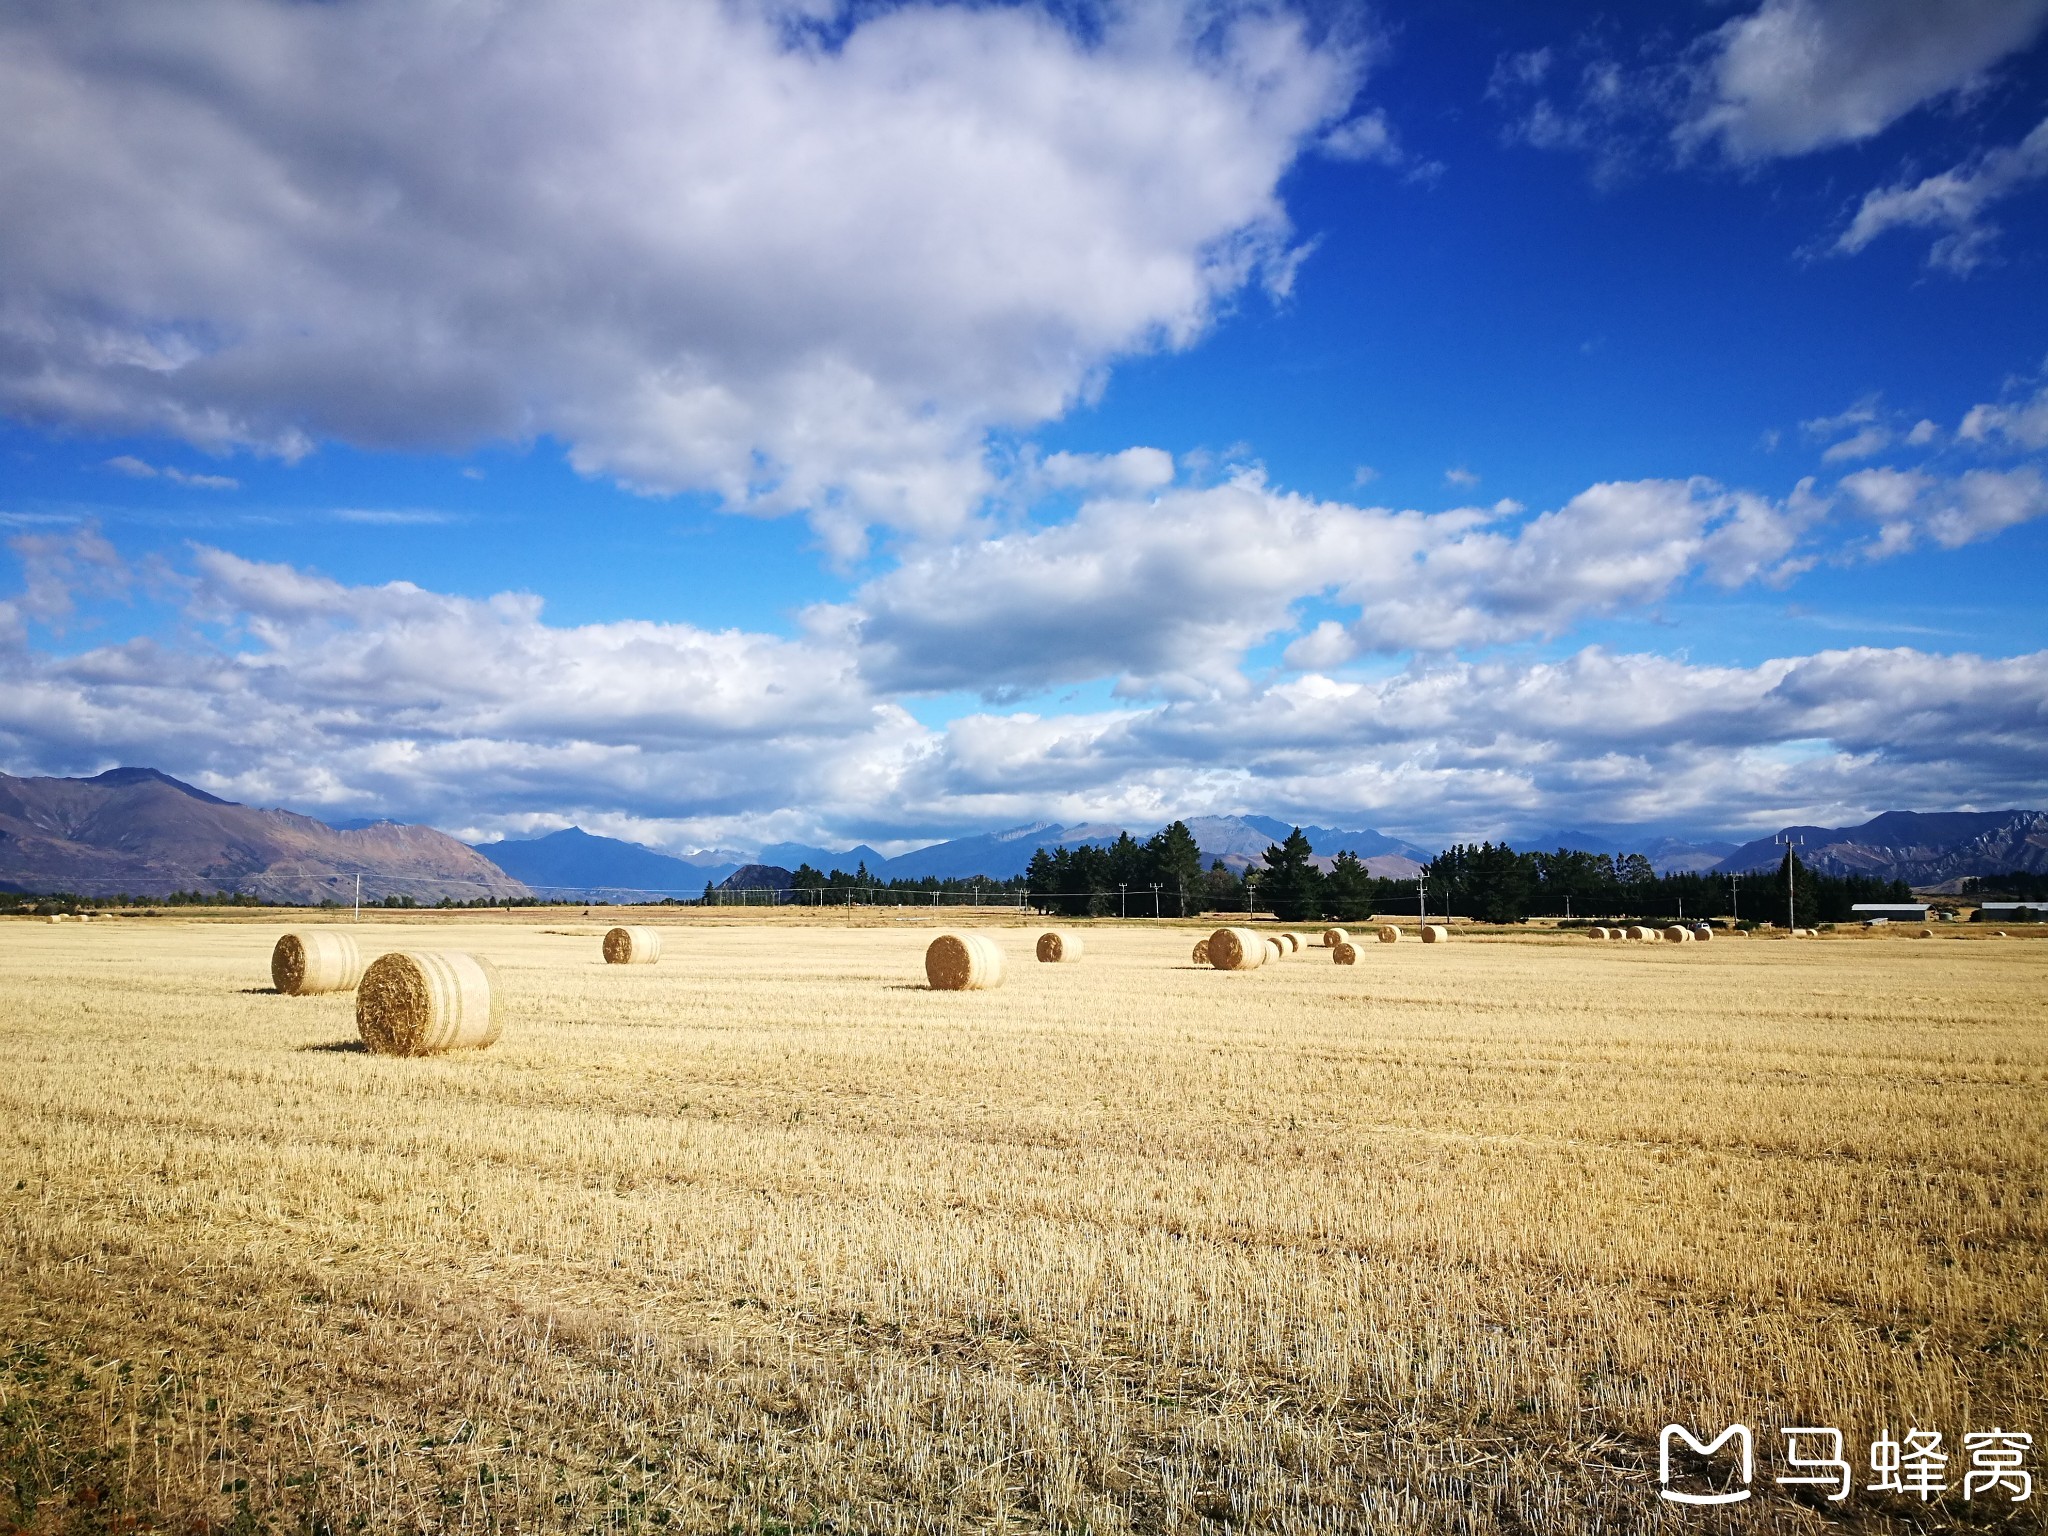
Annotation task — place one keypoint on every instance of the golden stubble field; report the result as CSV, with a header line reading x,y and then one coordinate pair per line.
x,y
768,1237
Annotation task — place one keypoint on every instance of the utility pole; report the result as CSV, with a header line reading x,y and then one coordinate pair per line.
x,y
1123,906
1788,842
1421,900
1155,900
359,897
1734,905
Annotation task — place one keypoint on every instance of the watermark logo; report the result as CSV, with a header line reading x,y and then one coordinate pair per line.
x,y
1745,1447
1817,1456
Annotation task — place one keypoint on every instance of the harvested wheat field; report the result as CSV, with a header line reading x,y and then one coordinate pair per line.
x,y
783,1240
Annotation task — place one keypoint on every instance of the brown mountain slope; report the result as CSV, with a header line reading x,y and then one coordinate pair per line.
x,y
143,832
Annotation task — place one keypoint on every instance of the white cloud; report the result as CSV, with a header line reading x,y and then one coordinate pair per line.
x,y
2023,425
1794,76
1860,445
1461,477
1130,472
701,250
1369,136
140,469
480,715
1169,593
1785,78
1953,200
1911,505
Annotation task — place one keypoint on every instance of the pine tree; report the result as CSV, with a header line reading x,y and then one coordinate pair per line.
x,y
1293,887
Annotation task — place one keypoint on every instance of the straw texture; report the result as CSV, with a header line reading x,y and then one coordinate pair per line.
x,y
632,946
1059,948
315,960
1435,933
963,962
1332,937
1344,952
422,1002
1237,949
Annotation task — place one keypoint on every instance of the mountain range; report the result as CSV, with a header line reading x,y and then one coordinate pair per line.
x,y
1925,849
1667,855
143,832
139,831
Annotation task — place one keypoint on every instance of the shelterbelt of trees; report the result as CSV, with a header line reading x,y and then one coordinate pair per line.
x,y
1163,876
1489,881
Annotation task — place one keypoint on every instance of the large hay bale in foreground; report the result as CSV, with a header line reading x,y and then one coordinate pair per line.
x,y
1058,948
963,962
1389,934
632,946
1332,937
1435,933
315,960
1201,952
1237,949
1344,952
420,1002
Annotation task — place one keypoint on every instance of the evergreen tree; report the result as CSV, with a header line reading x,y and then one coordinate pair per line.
x,y
1348,889
1176,863
1292,887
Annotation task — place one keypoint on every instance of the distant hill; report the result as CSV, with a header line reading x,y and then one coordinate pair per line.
x,y
139,831
1667,855
824,860
1920,847
757,877
1241,841
998,855
575,865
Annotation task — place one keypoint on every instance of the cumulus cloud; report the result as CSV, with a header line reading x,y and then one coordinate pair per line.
x,y
1795,76
703,247
2023,425
1954,201
1787,78
1911,506
479,715
1169,593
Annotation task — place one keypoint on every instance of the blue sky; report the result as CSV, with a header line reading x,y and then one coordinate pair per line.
x,y
1459,419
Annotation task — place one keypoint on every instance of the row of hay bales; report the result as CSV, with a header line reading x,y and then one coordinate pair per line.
x,y
418,1002
1676,933
970,962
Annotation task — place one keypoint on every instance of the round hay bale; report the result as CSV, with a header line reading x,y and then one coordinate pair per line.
x,y
421,1002
1294,942
2001,934
54,917
315,960
1237,949
963,962
1636,933
1332,937
1275,950
1435,933
1924,933
632,946
1606,933
1344,952
1201,951
1389,934
1676,935
1703,932
1057,948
